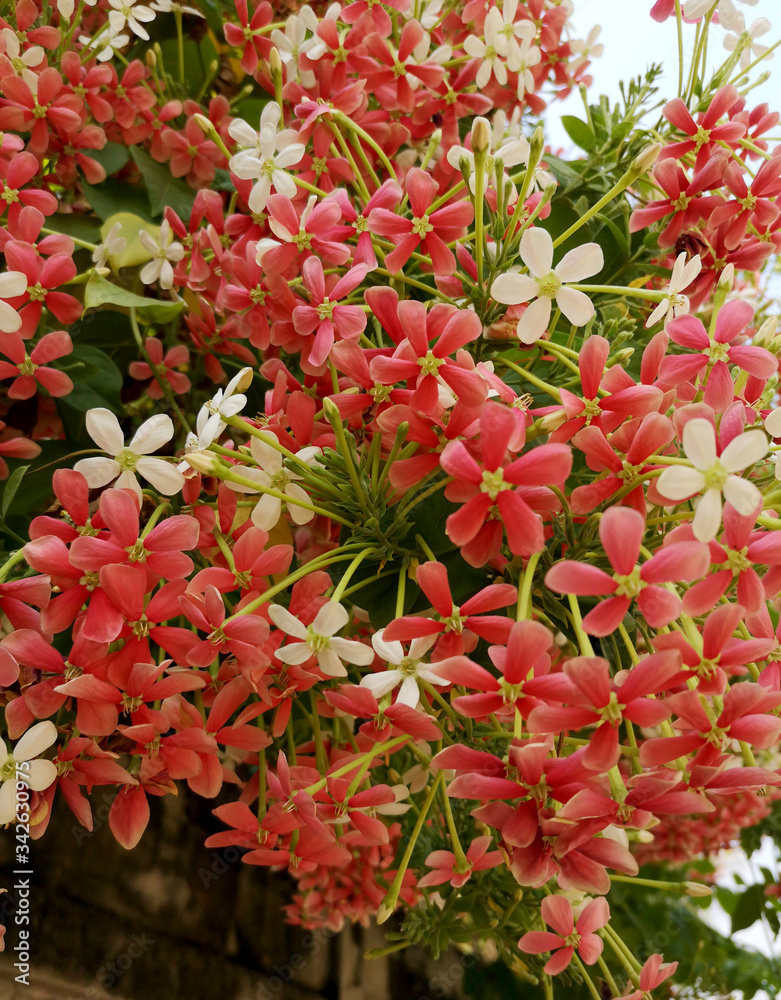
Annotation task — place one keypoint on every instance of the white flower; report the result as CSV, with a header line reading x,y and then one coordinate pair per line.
x,y
545,283
529,55
711,476
127,460
22,61
674,304
106,42
699,8
586,49
113,244
227,402
320,639
495,49
272,475
264,156
511,151
407,670
38,775
427,12
12,284
773,427
165,251
132,14
168,6
743,37
293,43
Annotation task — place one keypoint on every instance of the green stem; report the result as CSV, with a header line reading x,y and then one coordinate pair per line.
x,y
388,905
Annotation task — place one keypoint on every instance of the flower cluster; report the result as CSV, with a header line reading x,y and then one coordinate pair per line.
x,y
391,540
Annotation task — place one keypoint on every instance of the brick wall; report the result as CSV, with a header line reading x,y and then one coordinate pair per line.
x,y
172,920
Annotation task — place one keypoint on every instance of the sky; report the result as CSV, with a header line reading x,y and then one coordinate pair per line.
x,y
633,40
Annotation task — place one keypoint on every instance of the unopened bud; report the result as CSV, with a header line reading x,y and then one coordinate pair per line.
x,y
466,169
151,58
536,147
727,277
766,333
621,357
275,62
643,162
384,912
481,135
202,461
203,123
697,889
331,410
552,421
245,379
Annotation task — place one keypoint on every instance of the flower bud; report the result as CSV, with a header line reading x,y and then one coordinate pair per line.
x,y
697,889
203,123
727,278
151,58
384,912
621,357
643,162
202,461
275,62
536,147
245,379
481,135
766,333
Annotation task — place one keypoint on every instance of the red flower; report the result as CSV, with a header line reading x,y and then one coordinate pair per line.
x,y
30,370
430,231
162,368
570,934
325,316
429,366
706,134
494,482
42,278
446,869
461,626
246,35
621,532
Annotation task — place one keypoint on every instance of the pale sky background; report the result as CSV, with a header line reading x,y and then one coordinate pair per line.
x,y
632,42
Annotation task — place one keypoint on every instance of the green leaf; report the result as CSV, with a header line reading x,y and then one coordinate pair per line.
x,y
198,57
112,157
222,181
580,133
99,292
113,196
14,481
749,907
99,383
77,226
164,190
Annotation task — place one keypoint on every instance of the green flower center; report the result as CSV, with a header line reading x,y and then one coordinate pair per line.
x,y
549,285
629,585
493,484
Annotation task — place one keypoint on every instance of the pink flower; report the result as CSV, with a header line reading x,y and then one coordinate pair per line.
x,y
325,316
570,935
162,368
706,134
432,232
621,532
31,370
478,859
